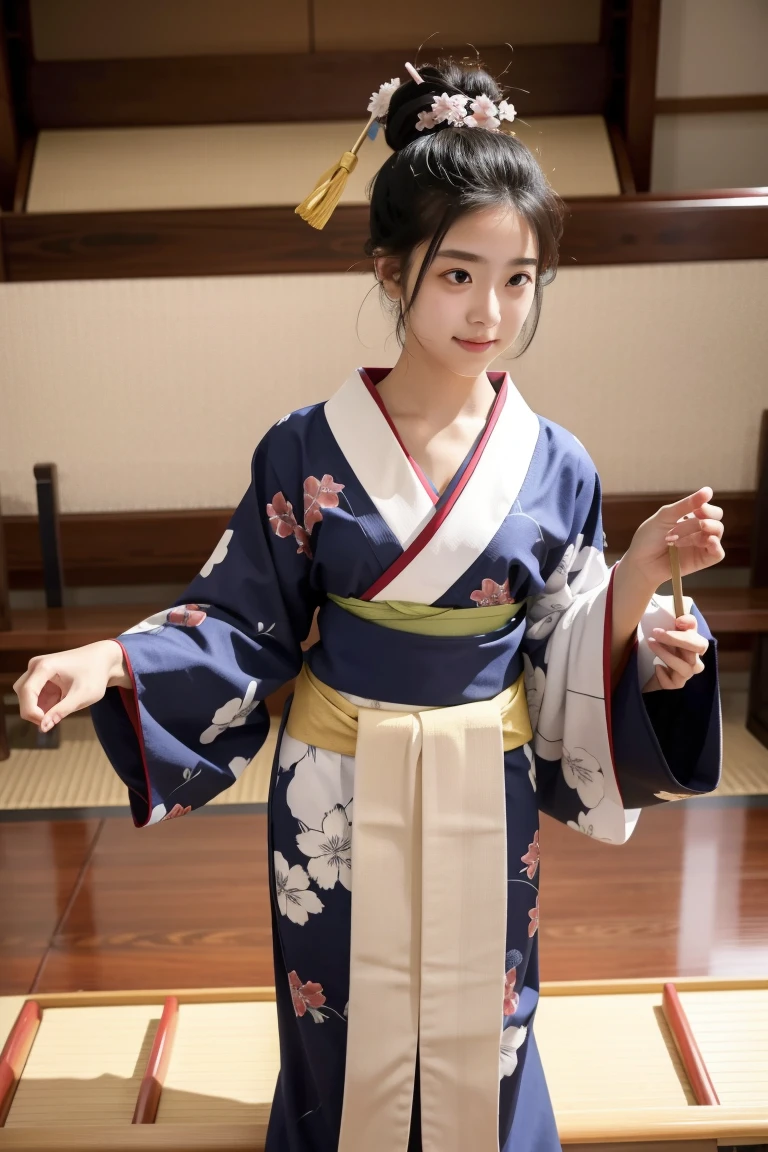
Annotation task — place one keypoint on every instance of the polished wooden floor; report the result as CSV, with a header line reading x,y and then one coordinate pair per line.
x,y
98,904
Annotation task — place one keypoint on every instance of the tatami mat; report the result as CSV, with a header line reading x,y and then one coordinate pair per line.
x,y
228,165
78,774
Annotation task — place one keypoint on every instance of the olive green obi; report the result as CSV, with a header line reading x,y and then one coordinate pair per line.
x,y
426,620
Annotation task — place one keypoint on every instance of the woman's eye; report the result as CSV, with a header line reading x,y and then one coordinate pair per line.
x,y
519,279
458,272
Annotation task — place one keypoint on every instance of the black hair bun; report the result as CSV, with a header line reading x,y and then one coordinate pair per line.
x,y
411,98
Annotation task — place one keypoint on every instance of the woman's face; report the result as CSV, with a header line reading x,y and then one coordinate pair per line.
x,y
479,288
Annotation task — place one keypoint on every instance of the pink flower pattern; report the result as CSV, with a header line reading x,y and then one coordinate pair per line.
x,y
281,516
534,915
187,615
531,857
492,593
309,995
318,494
511,998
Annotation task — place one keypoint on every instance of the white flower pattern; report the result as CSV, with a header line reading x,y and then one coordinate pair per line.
x,y
578,569
329,850
601,818
219,553
582,772
238,766
535,683
233,714
511,1040
294,898
532,761
321,781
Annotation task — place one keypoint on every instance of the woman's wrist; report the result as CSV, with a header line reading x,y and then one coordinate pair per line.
x,y
632,591
119,676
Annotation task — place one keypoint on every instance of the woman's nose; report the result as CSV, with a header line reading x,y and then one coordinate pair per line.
x,y
485,311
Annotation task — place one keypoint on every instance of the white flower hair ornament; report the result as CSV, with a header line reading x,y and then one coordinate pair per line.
x,y
378,106
318,207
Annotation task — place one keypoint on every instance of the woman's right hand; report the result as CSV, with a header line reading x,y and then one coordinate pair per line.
x,y
56,685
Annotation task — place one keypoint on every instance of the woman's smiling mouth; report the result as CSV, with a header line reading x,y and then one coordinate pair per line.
x,y
475,345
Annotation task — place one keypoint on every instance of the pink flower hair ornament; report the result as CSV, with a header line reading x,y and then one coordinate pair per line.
x,y
453,110
445,108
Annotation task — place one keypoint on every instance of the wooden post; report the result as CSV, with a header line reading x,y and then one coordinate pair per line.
x,y
5,596
642,50
5,624
50,547
9,144
757,707
50,541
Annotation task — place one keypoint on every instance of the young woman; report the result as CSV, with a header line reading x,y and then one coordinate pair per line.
x,y
478,664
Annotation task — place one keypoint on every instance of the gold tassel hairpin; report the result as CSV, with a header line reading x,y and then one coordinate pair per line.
x,y
318,207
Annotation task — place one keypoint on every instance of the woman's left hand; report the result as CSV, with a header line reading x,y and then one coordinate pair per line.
x,y
681,649
693,524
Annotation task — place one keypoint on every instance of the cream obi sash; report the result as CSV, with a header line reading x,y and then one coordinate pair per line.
x,y
429,906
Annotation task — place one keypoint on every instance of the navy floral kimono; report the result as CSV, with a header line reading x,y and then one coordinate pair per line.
x,y
337,507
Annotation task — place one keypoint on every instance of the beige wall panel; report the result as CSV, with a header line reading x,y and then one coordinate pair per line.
x,y
712,48
236,164
120,29
575,153
403,24
195,167
712,150
154,393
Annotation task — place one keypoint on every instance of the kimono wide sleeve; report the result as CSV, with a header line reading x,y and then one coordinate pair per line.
x,y
202,668
601,756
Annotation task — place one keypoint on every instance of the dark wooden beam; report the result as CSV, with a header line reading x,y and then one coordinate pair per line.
x,y
559,79
9,143
270,240
654,229
108,548
642,49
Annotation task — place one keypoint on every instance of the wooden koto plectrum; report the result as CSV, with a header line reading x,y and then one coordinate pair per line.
x,y
677,581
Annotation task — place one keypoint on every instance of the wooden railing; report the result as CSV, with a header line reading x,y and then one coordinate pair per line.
x,y
639,229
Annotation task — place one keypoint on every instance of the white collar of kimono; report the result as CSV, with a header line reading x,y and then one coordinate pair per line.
x,y
435,554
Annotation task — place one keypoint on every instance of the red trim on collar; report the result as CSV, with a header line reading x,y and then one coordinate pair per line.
x,y
371,377
432,525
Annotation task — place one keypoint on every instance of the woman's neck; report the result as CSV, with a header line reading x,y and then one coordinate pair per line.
x,y
417,388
